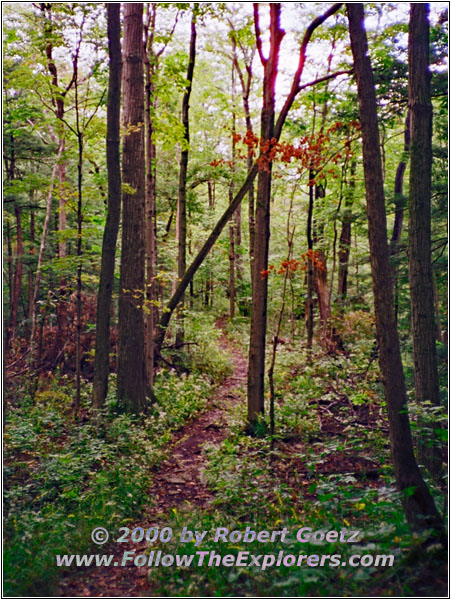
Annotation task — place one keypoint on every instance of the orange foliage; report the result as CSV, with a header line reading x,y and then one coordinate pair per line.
x,y
309,152
293,265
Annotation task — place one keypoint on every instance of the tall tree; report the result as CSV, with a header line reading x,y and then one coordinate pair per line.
x,y
151,313
419,506
131,375
183,173
420,267
102,347
257,343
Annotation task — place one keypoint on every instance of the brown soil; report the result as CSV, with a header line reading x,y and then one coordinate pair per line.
x,y
176,482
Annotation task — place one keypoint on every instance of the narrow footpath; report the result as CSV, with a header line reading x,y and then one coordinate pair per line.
x,y
175,483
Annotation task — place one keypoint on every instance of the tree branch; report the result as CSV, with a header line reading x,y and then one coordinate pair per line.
x,y
258,35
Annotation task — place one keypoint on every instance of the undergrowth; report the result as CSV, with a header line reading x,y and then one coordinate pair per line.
x,y
64,477
309,475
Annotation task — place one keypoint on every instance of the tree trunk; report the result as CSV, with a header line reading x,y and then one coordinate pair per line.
x,y
245,92
17,280
151,312
256,369
418,504
102,344
181,201
309,316
345,238
399,184
439,335
235,225
31,274
131,376
420,267
232,290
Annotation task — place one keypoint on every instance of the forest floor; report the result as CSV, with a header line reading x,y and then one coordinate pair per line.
x,y
189,463
176,483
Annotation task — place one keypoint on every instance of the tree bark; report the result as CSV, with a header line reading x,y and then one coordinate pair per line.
x,y
131,376
418,504
31,274
235,225
420,267
257,343
102,343
399,185
181,201
345,238
151,313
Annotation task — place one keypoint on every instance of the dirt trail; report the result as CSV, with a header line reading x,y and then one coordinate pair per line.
x,y
176,482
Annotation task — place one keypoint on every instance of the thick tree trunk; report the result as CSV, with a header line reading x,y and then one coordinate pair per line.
x,y
257,343
181,201
131,376
102,344
420,267
418,504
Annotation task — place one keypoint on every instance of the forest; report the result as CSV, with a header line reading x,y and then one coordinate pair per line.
x,y
225,299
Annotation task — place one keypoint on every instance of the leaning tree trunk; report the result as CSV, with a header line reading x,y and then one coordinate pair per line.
x,y
419,506
102,347
420,267
131,372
